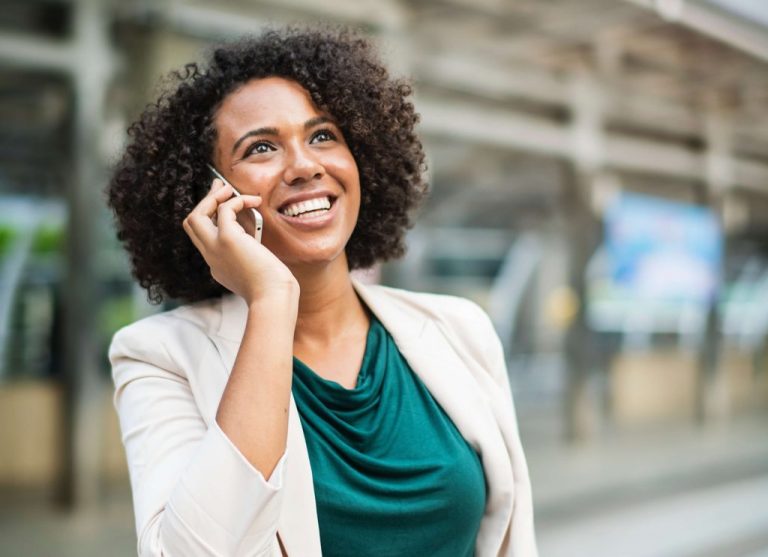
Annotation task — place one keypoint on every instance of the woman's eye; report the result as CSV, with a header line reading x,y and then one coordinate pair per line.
x,y
260,147
322,136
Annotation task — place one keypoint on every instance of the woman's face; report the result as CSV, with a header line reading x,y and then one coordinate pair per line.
x,y
273,141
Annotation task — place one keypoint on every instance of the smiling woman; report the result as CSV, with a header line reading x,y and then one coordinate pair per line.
x,y
273,141
287,408
164,173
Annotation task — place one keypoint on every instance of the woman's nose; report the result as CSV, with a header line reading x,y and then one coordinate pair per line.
x,y
302,166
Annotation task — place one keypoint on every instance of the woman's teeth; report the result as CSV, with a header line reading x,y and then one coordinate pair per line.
x,y
313,206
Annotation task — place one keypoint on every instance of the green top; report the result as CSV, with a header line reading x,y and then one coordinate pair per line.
x,y
392,474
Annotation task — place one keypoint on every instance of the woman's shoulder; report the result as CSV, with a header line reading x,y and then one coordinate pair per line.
x,y
158,336
465,325
461,314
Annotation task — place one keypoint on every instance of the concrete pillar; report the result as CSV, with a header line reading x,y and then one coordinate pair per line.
x,y
582,229
711,395
91,73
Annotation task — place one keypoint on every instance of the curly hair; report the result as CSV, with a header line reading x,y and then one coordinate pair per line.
x,y
162,174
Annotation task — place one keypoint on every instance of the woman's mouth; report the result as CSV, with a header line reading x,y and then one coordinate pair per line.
x,y
309,208
310,214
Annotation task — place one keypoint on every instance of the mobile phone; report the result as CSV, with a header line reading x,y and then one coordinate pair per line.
x,y
258,221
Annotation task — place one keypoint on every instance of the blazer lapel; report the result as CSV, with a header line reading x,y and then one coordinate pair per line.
x,y
298,524
447,377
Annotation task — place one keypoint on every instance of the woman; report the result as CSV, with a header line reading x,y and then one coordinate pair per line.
x,y
288,407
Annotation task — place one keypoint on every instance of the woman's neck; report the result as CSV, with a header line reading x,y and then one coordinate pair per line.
x,y
328,305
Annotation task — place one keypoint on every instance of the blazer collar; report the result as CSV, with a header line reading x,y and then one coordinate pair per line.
x,y
234,312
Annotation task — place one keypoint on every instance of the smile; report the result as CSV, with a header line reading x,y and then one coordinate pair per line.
x,y
310,214
308,208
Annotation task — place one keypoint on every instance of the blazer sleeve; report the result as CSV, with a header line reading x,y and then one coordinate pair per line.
x,y
474,332
194,493
522,537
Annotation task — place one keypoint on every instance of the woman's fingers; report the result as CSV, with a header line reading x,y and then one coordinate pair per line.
x,y
200,220
227,211
218,194
192,235
216,212
201,227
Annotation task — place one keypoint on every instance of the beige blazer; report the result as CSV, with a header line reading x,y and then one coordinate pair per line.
x,y
195,494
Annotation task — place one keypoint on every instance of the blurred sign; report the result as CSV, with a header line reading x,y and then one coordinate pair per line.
x,y
663,251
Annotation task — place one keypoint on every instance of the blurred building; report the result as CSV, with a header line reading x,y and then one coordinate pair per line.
x,y
599,174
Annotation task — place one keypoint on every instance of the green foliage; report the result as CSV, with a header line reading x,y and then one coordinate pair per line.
x,y
7,236
116,313
48,239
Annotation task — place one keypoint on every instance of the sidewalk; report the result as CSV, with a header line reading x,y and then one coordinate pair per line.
x,y
676,492
618,469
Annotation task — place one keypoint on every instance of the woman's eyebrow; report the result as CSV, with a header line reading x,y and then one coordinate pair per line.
x,y
259,131
311,123
317,120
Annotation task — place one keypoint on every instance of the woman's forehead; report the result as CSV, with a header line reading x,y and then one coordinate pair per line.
x,y
267,102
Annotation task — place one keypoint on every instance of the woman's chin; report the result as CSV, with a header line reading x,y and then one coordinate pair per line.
x,y
316,258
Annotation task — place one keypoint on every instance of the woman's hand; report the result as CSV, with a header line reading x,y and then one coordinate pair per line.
x,y
237,261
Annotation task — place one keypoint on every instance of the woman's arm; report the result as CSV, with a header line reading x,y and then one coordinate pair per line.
x,y
254,407
253,411
201,490
194,492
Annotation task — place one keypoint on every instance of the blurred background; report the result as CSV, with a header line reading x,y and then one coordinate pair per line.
x,y
600,186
